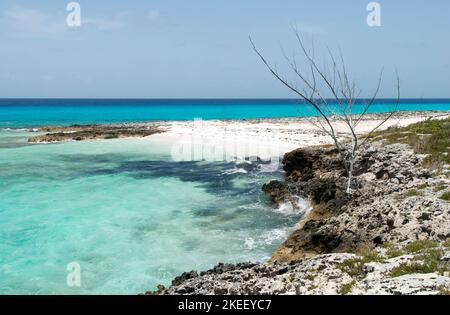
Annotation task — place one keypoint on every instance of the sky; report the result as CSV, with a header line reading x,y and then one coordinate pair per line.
x,y
200,48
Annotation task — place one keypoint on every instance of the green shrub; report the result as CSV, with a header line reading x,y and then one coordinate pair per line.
x,y
354,267
427,260
421,245
445,196
347,288
422,186
393,251
440,187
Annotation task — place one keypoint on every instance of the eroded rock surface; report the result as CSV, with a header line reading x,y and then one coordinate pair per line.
x,y
320,275
394,200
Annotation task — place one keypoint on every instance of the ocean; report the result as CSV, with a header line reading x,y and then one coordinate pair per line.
x,y
121,210
19,113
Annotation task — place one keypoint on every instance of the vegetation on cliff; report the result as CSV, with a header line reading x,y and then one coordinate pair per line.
x,y
431,137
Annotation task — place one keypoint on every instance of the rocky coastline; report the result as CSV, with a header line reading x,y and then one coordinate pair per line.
x,y
391,237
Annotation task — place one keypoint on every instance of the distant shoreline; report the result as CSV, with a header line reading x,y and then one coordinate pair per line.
x,y
264,137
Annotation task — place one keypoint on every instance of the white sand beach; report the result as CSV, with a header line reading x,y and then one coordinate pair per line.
x,y
270,137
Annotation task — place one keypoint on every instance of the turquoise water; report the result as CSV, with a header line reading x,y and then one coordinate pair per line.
x,y
128,215
30,113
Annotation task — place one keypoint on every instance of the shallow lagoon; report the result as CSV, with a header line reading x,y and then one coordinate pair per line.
x,y
126,213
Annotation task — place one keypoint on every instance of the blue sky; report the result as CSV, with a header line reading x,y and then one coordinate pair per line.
x,y
200,48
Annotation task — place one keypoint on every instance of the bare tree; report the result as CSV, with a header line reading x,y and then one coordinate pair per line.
x,y
332,78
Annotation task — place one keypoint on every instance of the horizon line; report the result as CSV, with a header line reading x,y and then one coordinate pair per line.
x,y
206,99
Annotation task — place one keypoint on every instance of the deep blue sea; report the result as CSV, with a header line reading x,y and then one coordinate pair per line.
x,y
17,113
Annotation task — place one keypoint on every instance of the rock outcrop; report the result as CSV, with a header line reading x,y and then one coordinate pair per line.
x,y
394,200
94,132
395,211
340,273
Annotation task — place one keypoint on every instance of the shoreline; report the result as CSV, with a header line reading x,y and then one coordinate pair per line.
x,y
287,133
272,136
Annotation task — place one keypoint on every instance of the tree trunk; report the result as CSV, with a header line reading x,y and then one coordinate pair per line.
x,y
350,175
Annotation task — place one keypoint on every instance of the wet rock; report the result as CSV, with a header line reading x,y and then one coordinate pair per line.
x,y
185,276
278,191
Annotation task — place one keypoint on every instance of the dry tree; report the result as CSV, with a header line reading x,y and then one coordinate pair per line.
x,y
332,79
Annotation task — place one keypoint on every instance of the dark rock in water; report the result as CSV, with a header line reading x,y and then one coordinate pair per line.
x,y
185,276
94,132
276,190
312,172
160,290
249,167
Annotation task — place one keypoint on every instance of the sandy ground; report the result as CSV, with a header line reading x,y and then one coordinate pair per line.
x,y
265,138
